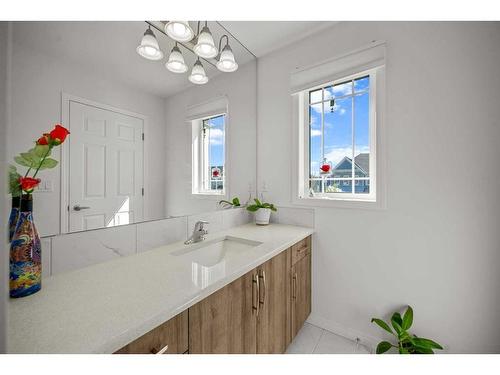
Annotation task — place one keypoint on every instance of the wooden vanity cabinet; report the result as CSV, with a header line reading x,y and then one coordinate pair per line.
x,y
225,322
170,337
301,284
260,312
273,333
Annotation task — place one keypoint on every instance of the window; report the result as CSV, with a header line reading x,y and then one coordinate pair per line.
x,y
209,155
339,139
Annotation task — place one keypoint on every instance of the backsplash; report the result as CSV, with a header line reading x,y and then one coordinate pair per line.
x,y
68,252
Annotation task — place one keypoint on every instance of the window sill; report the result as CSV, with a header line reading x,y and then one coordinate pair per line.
x,y
363,204
210,196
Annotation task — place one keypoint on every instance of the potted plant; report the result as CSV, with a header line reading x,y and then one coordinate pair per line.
x,y
406,342
262,211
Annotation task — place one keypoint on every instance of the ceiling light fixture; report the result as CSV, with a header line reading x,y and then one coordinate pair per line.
x,y
149,47
176,63
205,46
226,62
198,75
179,31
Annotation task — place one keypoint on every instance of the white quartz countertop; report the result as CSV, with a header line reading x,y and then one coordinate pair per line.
x,y
101,308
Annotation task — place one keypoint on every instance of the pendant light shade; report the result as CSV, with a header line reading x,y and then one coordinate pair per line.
x,y
179,31
226,61
176,63
149,48
198,75
205,46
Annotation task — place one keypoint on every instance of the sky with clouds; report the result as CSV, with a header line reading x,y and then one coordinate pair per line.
x,y
338,124
216,141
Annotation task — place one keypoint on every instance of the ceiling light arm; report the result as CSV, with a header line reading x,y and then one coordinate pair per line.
x,y
220,41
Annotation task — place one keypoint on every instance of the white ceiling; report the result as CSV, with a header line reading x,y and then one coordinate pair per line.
x,y
108,48
263,37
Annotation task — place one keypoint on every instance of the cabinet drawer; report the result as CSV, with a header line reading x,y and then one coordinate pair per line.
x,y
173,333
301,249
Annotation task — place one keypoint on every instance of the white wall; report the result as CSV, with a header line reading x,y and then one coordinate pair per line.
x,y
240,89
437,245
37,83
5,55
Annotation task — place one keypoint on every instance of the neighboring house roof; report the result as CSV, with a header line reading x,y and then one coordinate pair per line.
x,y
361,162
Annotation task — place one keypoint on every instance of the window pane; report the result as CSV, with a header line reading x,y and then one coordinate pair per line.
x,y
216,152
315,139
362,140
362,186
361,84
315,96
338,141
337,90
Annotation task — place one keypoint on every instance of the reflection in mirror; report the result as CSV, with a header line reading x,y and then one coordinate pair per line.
x,y
131,95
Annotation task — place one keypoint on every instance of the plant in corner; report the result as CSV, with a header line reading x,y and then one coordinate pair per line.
x,y
235,202
407,343
262,211
25,263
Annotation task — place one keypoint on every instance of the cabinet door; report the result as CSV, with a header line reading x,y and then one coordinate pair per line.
x,y
301,292
225,322
169,338
273,333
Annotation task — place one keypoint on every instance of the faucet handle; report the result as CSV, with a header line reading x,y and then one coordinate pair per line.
x,y
199,225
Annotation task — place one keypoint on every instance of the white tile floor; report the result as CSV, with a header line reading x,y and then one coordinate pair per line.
x,y
315,340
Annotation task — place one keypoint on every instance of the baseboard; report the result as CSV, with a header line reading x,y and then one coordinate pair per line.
x,y
369,341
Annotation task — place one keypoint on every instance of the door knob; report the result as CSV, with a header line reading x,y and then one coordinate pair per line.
x,y
77,207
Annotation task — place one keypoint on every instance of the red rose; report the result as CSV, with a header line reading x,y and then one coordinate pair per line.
x,y
325,168
28,183
43,140
215,173
59,134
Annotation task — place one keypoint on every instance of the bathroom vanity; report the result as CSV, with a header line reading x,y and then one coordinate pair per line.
x,y
243,290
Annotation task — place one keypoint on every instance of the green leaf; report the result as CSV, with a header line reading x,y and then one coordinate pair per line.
x,y
426,343
383,346
396,323
21,161
236,201
407,318
31,156
253,208
14,187
382,325
258,202
41,150
422,350
48,163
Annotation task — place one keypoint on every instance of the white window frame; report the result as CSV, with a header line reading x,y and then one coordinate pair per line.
x,y
200,158
300,142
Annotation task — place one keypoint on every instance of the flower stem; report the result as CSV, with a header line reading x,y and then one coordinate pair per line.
x,y
41,162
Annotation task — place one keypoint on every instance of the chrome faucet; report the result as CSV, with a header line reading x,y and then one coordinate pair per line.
x,y
199,233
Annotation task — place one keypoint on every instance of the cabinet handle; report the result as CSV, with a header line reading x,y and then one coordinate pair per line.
x,y
263,277
161,351
294,286
256,293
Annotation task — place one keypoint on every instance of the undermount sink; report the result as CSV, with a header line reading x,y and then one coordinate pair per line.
x,y
211,252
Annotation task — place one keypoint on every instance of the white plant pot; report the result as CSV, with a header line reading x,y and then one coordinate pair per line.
x,y
262,216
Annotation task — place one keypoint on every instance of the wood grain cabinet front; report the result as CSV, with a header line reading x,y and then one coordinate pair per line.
x,y
260,312
170,337
225,322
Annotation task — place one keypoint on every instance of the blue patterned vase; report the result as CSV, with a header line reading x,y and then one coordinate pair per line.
x,y
14,216
25,253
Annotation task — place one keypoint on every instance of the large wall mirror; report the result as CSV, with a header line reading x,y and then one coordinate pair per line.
x,y
146,142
